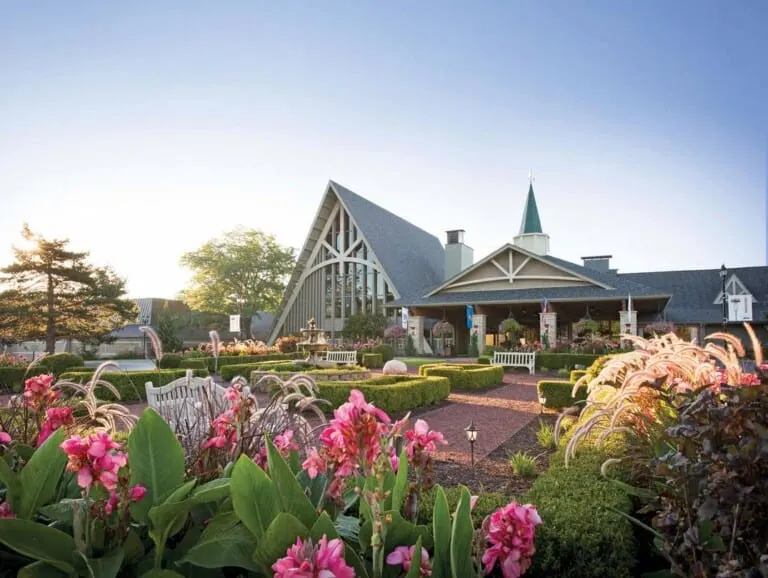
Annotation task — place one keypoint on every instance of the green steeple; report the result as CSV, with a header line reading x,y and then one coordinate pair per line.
x,y
531,221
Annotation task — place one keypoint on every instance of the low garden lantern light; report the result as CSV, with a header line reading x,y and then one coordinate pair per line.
x,y
471,431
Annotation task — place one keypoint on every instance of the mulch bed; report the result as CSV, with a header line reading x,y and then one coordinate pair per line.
x,y
494,474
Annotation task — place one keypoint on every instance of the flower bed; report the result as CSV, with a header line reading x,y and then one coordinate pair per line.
x,y
465,376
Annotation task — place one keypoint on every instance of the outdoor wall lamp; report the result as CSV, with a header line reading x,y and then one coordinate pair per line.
x,y
471,431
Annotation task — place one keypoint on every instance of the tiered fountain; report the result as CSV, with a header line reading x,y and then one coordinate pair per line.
x,y
313,344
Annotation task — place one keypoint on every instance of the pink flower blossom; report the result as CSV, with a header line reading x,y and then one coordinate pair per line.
x,y
224,431
55,418
5,439
5,511
38,393
283,443
403,556
135,494
94,460
422,440
510,531
305,560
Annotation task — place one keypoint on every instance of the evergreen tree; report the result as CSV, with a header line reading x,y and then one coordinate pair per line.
x,y
168,326
54,293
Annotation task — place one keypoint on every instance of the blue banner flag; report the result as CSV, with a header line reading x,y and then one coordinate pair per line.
x,y
470,312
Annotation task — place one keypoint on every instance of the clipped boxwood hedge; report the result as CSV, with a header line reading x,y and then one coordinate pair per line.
x,y
554,361
170,361
242,359
466,377
483,360
59,362
577,374
558,393
392,393
13,377
228,372
193,363
373,360
130,384
581,535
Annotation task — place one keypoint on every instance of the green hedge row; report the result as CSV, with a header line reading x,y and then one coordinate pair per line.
x,y
577,374
582,535
170,361
59,362
130,384
558,393
243,359
193,363
12,378
483,360
373,360
392,393
466,377
554,361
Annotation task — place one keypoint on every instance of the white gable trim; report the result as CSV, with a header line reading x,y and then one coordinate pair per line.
x,y
511,275
734,286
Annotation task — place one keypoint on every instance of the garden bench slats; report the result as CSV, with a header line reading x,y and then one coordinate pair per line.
x,y
347,357
515,359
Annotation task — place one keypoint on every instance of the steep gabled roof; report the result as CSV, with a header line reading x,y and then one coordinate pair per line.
x,y
413,259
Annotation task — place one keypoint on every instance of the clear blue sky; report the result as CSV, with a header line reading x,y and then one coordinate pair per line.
x,y
141,129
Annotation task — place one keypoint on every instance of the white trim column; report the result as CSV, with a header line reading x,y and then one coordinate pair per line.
x,y
479,326
548,327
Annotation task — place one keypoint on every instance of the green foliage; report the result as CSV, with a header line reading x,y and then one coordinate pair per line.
x,y
53,293
244,270
473,350
365,326
582,534
523,465
483,360
563,372
228,372
558,394
512,328
170,361
577,374
392,393
169,325
487,503
12,378
545,435
193,363
58,362
243,359
465,376
373,360
387,352
410,346
563,360
595,367
130,384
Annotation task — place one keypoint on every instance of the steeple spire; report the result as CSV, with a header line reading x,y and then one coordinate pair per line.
x,y
531,221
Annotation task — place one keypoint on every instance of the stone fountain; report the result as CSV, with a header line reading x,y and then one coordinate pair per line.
x,y
313,344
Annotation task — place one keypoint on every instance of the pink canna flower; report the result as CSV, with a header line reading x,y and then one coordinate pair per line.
x,y
94,459
5,511
55,418
5,439
283,443
422,440
510,531
305,560
137,493
403,556
38,393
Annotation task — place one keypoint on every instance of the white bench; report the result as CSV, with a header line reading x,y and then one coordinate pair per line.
x,y
515,359
348,357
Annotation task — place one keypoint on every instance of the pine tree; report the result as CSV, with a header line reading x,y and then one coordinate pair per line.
x,y
55,293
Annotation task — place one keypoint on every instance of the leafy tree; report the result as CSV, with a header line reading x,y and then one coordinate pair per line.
x,y
169,324
410,346
245,272
365,326
54,293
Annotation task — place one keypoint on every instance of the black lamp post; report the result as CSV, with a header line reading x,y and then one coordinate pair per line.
x,y
723,275
471,431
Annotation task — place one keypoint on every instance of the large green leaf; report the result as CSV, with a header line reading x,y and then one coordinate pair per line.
x,y
291,496
441,530
175,505
40,570
323,527
461,538
281,535
107,566
40,477
213,491
254,497
161,574
400,489
11,482
38,542
353,559
223,543
62,511
157,461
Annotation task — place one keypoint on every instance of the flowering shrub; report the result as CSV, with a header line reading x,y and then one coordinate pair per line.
x,y
394,332
248,347
287,344
11,360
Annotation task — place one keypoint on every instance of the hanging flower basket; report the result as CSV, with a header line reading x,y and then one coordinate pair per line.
x,y
394,332
442,329
511,326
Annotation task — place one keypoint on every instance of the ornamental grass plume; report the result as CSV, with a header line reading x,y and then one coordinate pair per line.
x,y
154,338
306,560
510,531
634,394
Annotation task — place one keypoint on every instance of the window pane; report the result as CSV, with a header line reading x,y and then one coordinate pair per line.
x,y
348,288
